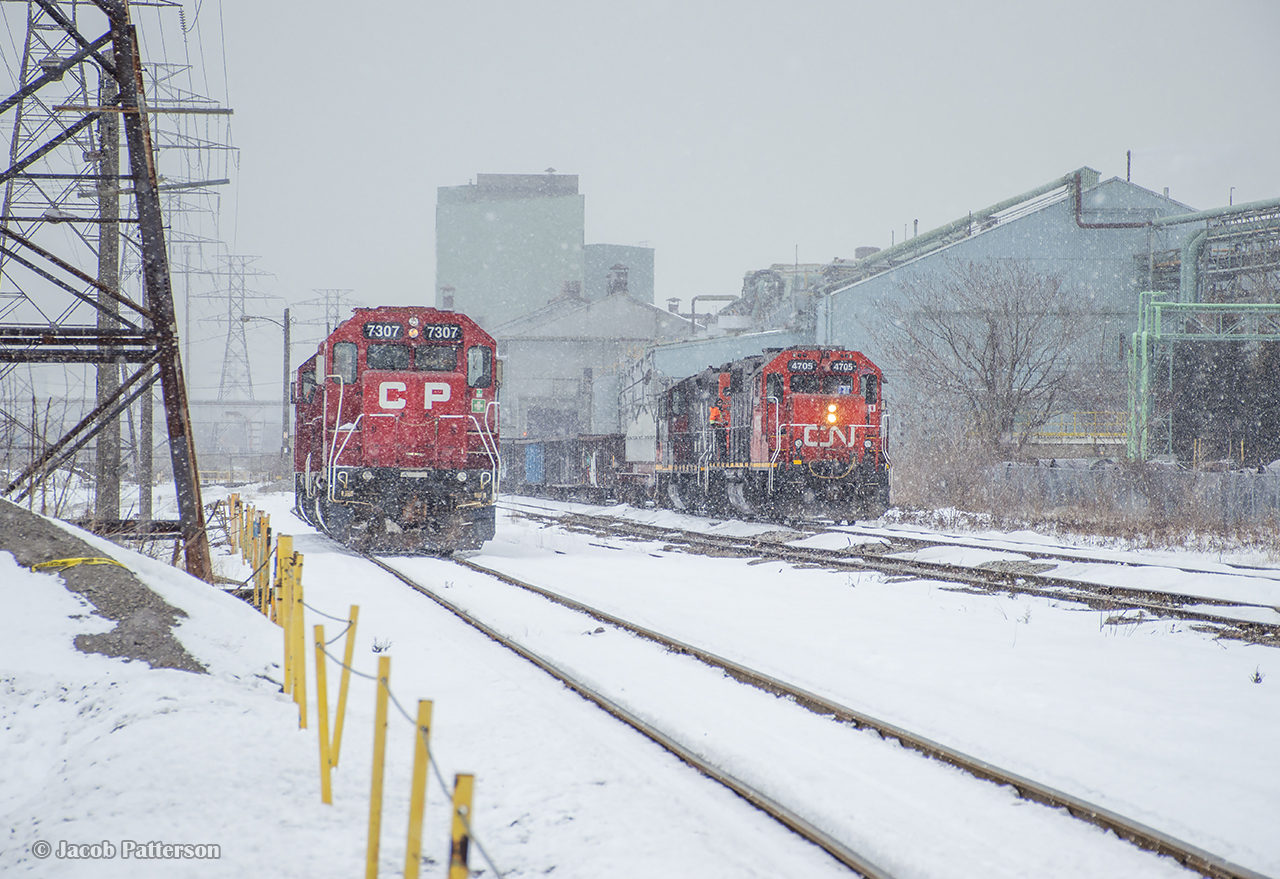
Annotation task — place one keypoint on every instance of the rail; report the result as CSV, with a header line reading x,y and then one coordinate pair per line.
x,y
1137,833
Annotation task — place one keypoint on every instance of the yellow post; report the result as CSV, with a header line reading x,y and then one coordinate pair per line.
x,y
286,623
299,646
347,657
460,840
233,521
379,755
418,790
284,558
263,569
322,710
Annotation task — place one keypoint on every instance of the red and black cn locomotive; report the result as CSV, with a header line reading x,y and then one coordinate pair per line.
x,y
787,434
396,419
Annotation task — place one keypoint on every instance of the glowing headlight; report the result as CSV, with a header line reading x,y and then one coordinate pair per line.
x,y
831,407
831,417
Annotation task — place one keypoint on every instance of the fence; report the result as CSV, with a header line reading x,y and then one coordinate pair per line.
x,y
281,600
1151,492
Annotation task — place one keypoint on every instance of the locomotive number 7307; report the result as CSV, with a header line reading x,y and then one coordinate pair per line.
x,y
381,330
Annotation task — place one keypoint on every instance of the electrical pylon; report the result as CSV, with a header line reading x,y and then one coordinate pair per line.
x,y
37,248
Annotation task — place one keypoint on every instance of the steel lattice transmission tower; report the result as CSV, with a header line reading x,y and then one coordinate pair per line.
x,y
237,376
52,154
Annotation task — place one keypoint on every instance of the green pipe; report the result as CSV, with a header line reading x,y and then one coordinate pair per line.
x,y
1190,267
913,244
1181,219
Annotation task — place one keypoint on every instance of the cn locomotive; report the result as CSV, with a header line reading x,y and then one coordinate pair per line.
x,y
787,434
396,423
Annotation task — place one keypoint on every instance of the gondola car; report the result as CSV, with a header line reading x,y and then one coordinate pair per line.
x,y
787,434
396,424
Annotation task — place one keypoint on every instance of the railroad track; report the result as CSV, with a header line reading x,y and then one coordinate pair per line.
x,y
905,540
997,579
1141,835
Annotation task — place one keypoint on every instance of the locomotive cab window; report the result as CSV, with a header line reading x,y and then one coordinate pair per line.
x,y
344,362
804,384
735,381
841,385
387,357
307,387
773,386
436,358
479,366
870,388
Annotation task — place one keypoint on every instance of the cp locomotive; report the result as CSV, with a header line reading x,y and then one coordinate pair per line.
x,y
786,434
396,419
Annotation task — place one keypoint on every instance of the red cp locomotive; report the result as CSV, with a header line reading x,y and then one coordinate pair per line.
x,y
396,421
786,434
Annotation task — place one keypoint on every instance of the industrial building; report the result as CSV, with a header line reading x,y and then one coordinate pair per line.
x,y
579,356
1210,387
563,361
509,244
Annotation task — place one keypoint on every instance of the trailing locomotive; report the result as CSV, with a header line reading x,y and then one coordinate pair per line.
x,y
785,434
396,423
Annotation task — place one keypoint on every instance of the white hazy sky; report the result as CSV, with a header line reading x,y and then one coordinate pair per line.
x,y
723,134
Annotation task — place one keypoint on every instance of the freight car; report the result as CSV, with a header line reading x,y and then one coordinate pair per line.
x,y
396,423
786,434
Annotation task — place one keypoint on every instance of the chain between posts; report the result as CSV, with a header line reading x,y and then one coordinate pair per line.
x,y
280,598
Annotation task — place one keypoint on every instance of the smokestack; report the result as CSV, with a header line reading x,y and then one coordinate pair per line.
x,y
617,280
570,290
446,298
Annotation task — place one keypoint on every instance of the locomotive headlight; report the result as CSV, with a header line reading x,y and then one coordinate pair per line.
x,y
831,418
831,407
367,475
413,332
462,476
866,444
413,321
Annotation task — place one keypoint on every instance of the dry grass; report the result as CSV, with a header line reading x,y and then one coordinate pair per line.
x,y
945,482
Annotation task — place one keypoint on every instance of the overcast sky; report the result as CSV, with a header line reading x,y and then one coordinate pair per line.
x,y
723,134
726,135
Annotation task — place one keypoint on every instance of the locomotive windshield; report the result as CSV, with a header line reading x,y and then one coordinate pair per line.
x,y
435,358
424,358
344,361
387,357
870,388
832,385
479,366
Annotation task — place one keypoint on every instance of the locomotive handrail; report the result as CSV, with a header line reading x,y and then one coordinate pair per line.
x,y
325,447
333,464
777,438
486,437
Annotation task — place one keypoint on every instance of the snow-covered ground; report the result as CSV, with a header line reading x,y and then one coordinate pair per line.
x,y
1154,720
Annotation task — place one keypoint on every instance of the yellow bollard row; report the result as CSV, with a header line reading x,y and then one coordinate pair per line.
x,y
281,599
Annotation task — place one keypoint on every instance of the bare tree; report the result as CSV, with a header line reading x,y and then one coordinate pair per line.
x,y
996,337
